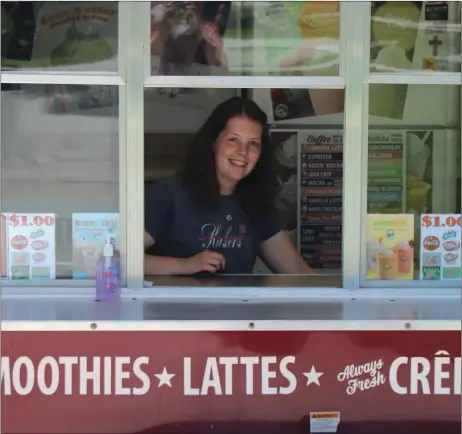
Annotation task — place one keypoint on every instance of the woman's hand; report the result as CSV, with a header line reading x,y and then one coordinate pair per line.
x,y
205,261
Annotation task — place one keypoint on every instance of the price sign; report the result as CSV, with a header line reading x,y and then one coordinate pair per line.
x,y
440,247
440,221
31,246
16,220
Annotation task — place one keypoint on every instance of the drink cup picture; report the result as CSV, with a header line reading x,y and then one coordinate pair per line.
x,y
388,264
405,257
90,259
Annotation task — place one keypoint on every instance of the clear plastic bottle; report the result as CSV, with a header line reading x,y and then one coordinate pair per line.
x,y
108,273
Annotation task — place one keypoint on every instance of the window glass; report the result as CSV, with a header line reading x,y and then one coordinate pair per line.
x,y
60,182
69,36
306,146
414,179
423,36
245,38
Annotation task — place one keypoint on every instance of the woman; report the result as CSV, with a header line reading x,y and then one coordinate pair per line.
x,y
219,213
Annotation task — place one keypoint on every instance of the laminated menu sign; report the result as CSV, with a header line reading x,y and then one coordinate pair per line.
x,y
386,172
89,233
31,246
390,247
440,248
3,245
321,198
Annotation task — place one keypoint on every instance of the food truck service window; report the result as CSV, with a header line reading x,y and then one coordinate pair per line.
x,y
244,181
231,144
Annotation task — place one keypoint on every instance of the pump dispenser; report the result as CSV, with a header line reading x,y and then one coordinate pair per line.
x,y
107,273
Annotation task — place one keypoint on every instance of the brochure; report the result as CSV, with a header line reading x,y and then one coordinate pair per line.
x,y
440,247
31,246
89,233
390,247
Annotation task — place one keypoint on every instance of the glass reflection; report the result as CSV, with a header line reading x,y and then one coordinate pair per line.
x,y
415,36
245,38
60,35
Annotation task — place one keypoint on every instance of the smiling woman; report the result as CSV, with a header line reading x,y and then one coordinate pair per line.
x,y
218,213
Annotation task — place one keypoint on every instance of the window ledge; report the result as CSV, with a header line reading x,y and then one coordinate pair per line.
x,y
174,309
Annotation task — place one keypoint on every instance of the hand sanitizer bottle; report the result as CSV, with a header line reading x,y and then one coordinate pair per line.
x,y
107,274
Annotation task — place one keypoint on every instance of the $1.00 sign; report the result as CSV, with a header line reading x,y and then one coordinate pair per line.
x,y
440,247
31,246
440,221
31,220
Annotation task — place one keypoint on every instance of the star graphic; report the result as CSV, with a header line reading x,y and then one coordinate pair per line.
x,y
313,376
165,378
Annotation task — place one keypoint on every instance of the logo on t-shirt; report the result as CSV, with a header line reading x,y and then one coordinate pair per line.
x,y
216,236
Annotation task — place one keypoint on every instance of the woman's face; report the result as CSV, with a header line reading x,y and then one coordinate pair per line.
x,y
237,151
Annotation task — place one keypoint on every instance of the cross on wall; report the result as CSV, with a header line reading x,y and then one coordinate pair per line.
x,y
435,43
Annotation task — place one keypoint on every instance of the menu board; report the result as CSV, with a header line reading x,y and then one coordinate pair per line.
x,y
3,246
321,177
440,247
390,247
31,246
89,234
386,172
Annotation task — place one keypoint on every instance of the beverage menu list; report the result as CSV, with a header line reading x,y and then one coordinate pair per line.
x,y
386,172
321,178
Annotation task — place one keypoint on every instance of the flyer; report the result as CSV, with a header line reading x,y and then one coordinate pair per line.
x,y
31,246
321,175
3,246
440,247
390,247
89,233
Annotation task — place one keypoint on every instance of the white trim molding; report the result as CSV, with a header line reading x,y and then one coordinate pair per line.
x,y
254,82
61,78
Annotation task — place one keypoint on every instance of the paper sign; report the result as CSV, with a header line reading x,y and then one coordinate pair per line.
x,y
440,247
324,421
31,246
390,247
89,233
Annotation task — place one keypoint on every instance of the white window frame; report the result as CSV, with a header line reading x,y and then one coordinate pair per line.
x,y
133,76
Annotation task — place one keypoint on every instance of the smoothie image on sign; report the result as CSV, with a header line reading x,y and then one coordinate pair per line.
x,y
390,247
388,264
405,257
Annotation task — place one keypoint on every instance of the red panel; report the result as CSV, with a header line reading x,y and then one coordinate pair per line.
x,y
252,401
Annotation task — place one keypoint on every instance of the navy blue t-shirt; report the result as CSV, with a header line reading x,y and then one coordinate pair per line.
x,y
182,229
